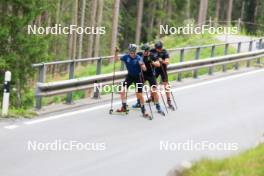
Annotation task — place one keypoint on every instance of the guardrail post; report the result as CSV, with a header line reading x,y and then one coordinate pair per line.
x,y
197,57
238,51
98,72
210,71
181,60
225,53
41,78
99,66
249,49
71,76
260,47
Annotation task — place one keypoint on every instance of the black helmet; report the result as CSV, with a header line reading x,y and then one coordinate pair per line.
x,y
145,47
158,45
132,47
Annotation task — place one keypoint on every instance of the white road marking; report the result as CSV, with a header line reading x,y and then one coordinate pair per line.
x,y
73,113
217,80
11,127
133,99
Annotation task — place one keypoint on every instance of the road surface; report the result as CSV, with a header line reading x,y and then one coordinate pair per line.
x,y
226,110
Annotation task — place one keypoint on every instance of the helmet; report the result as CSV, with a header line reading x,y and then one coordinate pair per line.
x,y
158,45
132,47
145,47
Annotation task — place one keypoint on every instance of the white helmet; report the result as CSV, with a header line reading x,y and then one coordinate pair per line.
x,y
132,47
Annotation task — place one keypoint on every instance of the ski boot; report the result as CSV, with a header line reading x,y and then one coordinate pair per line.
x,y
160,111
137,105
123,109
144,113
170,105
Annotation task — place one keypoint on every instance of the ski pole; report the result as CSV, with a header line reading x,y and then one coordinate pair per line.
x,y
162,69
113,80
163,102
143,81
162,98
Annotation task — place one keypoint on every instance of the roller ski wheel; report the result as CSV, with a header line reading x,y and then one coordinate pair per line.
x,y
161,112
171,107
147,116
121,111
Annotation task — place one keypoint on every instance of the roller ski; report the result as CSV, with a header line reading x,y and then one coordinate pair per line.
x,y
170,106
159,110
121,111
145,114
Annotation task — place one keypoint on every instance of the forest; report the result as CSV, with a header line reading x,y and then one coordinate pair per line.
x,y
125,21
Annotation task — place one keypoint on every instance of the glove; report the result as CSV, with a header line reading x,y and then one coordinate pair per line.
x,y
149,59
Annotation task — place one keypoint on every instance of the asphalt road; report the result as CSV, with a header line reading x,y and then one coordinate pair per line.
x,y
226,111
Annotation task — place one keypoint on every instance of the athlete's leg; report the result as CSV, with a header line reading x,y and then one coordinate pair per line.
x,y
123,91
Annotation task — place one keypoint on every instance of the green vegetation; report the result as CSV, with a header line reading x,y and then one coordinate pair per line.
x,y
18,49
249,163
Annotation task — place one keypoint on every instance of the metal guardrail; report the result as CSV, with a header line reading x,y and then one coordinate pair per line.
x,y
181,51
66,86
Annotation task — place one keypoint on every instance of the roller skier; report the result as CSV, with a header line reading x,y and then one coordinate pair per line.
x,y
148,75
134,65
160,54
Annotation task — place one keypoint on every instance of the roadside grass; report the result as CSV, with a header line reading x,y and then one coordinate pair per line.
x,y
249,163
21,112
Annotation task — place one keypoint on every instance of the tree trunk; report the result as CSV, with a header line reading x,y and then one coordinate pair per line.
x,y
99,20
92,24
56,45
115,26
159,20
18,94
229,12
256,10
202,12
75,19
139,20
217,11
82,25
188,9
151,21
169,11
242,10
